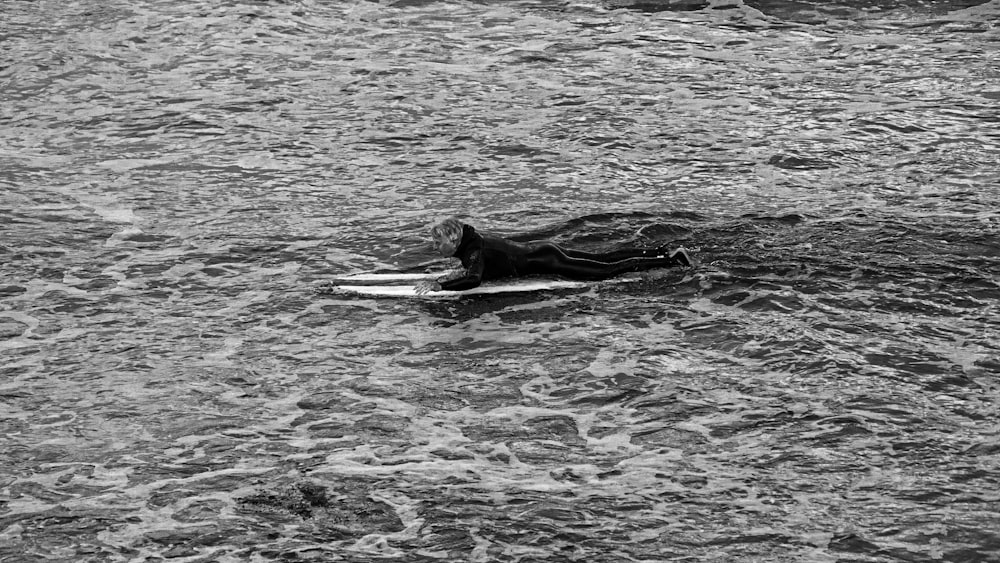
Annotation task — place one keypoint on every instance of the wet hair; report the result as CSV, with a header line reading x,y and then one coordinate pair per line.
x,y
450,228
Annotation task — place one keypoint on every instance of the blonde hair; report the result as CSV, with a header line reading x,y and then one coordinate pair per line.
x,y
450,228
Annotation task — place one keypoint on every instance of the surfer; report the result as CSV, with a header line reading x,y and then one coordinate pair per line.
x,y
488,257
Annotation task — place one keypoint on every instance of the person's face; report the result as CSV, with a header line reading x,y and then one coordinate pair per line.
x,y
444,244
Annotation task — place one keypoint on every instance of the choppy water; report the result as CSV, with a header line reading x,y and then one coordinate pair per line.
x,y
178,176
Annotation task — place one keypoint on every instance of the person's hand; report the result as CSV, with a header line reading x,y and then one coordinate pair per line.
x,y
453,274
427,286
326,287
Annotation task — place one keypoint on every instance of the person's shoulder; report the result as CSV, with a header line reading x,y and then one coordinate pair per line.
x,y
471,235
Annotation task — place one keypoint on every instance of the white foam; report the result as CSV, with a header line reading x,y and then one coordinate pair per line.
x,y
126,164
116,214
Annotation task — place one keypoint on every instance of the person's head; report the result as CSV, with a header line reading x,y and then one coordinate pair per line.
x,y
447,235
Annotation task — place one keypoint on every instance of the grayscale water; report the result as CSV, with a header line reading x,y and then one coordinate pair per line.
x,y
177,178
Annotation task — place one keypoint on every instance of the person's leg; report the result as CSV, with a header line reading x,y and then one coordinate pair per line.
x,y
615,255
547,258
678,255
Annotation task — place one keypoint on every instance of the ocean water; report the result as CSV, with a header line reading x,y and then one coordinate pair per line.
x,y
178,177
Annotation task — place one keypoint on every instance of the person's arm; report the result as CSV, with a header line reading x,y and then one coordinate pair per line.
x,y
457,280
435,285
472,277
453,274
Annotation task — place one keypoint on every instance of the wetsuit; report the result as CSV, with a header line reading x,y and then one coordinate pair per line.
x,y
487,257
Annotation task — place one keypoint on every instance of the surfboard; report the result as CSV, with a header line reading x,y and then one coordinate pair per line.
x,y
386,278
405,285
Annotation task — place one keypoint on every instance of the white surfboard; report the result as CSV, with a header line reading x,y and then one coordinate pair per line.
x,y
386,279
402,285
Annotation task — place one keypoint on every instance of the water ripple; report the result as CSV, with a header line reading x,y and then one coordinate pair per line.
x,y
177,177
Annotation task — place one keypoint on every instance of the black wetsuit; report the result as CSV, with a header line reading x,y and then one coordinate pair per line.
x,y
487,257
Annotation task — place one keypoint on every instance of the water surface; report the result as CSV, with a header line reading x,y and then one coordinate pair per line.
x,y
178,177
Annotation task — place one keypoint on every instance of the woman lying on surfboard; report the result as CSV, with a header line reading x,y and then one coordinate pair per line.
x,y
488,257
